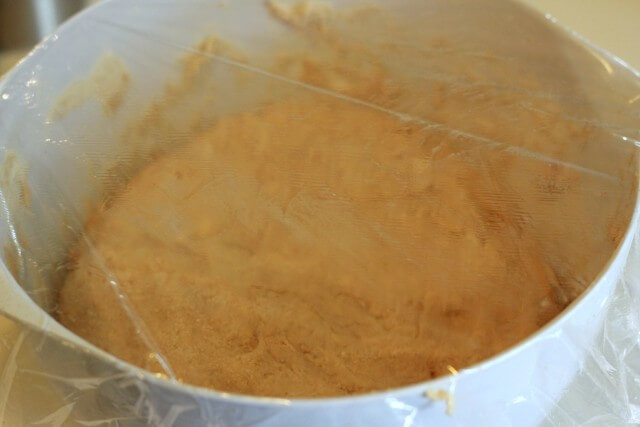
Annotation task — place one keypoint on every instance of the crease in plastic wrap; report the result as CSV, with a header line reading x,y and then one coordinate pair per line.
x,y
319,213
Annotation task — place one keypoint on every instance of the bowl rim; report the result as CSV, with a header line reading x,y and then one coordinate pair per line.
x,y
362,398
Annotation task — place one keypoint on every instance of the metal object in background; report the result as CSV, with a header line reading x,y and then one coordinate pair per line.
x,y
23,23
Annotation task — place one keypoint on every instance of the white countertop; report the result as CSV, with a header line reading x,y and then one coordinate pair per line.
x,y
611,24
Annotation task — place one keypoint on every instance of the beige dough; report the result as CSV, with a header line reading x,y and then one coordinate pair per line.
x,y
312,247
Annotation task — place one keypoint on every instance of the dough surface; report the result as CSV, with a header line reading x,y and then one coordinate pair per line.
x,y
312,248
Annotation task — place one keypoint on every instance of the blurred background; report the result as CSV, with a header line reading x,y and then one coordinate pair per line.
x,y
23,23
611,24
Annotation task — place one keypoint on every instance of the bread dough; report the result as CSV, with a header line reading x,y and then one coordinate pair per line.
x,y
321,244
310,248
108,82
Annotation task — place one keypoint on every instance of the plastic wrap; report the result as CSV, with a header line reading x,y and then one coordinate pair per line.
x,y
513,123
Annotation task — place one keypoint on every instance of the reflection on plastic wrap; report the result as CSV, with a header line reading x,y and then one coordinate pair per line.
x,y
335,200
74,387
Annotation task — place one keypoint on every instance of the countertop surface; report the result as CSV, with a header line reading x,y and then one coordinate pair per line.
x,y
611,24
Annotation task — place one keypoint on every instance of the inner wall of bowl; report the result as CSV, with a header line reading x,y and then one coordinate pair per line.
x,y
71,165
66,166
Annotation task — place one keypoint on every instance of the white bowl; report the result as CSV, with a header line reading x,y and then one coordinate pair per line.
x,y
515,387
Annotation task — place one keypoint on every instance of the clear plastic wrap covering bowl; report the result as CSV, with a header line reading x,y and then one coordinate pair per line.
x,y
490,113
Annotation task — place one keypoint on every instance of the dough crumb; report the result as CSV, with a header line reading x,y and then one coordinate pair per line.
x,y
304,14
14,180
444,395
108,82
